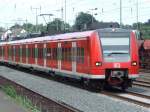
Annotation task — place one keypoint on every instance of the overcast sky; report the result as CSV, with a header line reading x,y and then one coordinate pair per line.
x,y
13,11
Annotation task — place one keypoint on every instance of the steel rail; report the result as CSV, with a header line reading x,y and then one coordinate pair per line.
x,y
116,95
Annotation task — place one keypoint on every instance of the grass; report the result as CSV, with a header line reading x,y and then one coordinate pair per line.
x,y
24,101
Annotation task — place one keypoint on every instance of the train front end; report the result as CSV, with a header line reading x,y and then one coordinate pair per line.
x,y
120,56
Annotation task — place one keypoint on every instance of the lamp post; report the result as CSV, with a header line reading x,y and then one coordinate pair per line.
x,y
120,13
137,14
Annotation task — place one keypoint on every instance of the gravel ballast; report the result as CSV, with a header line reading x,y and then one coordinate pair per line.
x,y
78,98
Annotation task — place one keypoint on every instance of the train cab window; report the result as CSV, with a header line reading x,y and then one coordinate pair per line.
x,y
115,45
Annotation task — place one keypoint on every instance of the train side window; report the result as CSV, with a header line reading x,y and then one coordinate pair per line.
x,y
19,53
28,52
12,51
62,53
69,54
65,56
33,52
23,53
48,54
20,49
80,55
44,53
55,53
39,52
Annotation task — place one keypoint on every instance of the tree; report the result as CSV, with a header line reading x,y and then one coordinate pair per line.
x,y
2,29
16,26
144,28
32,28
57,26
84,21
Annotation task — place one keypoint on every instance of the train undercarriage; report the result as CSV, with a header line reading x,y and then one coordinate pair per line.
x,y
114,78
119,78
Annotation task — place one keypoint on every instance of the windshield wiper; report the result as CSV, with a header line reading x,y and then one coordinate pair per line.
x,y
109,54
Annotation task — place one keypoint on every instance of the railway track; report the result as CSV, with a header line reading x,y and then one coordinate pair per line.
x,y
145,70
142,83
128,96
44,104
133,97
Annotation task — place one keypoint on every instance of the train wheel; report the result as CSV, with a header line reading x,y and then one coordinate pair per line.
x,y
85,83
124,86
94,85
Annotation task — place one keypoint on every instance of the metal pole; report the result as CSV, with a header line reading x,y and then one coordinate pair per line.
x,y
137,15
65,17
36,19
120,13
36,16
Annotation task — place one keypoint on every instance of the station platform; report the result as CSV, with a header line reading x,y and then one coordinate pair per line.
x,y
8,105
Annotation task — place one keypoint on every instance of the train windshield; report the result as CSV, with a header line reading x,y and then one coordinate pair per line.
x,y
115,46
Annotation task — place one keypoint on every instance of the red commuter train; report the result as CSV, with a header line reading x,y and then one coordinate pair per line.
x,y
100,57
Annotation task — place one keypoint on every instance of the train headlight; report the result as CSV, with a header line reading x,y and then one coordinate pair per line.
x,y
98,64
134,63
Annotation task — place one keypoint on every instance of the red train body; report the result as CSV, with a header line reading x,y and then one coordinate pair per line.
x,y
101,57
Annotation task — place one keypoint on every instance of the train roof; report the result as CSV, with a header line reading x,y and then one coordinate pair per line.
x,y
113,30
53,37
74,35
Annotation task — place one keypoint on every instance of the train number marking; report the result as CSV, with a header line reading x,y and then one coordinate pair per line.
x,y
116,65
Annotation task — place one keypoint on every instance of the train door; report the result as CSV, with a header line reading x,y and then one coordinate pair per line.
x,y
5,54
54,55
31,53
44,54
82,59
74,53
17,53
66,63
10,53
48,54
51,55
24,53
59,55
21,53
